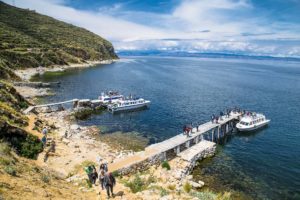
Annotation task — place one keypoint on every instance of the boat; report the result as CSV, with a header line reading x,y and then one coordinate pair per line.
x,y
110,97
252,121
128,105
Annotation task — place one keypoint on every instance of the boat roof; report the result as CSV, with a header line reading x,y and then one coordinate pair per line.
x,y
250,118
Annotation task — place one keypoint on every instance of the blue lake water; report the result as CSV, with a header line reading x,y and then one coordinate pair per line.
x,y
263,165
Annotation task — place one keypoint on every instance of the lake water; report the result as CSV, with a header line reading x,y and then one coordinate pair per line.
x,y
263,165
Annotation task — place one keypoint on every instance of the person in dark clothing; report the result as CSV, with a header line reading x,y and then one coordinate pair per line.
x,y
109,182
94,175
89,172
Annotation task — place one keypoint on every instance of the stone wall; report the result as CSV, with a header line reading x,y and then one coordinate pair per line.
x,y
179,166
142,165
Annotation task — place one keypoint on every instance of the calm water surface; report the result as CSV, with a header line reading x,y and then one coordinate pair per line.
x,y
264,165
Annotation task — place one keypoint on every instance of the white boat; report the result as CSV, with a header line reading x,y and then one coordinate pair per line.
x,y
129,104
110,97
250,122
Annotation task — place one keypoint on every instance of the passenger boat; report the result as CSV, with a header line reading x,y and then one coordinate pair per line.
x,y
250,122
110,97
128,104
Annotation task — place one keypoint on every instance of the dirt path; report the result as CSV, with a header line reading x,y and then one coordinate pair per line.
x,y
31,125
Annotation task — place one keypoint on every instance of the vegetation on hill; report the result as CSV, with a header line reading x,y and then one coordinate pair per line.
x,y
22,179
37,40
12,123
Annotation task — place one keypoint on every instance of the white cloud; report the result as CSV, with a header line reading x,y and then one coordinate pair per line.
x,y
228,25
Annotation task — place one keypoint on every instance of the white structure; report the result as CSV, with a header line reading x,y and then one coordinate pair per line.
x,y
130,104
252,122
110,97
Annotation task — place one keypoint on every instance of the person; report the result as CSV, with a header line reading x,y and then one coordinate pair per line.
x,y
109,182
89,171
45,131
94,175
104,167
44,140
101,178
212,119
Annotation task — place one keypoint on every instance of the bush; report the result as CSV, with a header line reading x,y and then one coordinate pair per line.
x,y
10,170
163,192
136,185
30,147
115,173
45,178
171,187
205,195
187,187
166,165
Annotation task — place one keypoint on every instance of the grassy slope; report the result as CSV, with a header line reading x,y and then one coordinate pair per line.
x,y
29,39
23,179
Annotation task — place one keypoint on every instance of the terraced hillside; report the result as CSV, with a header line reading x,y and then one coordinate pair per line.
x,y
29,39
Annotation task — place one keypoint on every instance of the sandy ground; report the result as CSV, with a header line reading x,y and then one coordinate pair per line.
x,y
74,144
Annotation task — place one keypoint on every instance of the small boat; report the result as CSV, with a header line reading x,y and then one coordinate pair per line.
x,y
128,104
110,97
251,122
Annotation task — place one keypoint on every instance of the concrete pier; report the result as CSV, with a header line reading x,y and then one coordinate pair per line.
x,y
180,146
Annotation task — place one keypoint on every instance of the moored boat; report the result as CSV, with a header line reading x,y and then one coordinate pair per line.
x,y
252,121
128,104
110,97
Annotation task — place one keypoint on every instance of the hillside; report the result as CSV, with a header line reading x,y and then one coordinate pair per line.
x,y
29,39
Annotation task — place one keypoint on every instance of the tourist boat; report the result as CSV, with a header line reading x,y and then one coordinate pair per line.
x,y
250,122
128,104
110,97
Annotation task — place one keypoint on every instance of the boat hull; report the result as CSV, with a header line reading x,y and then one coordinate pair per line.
x,y
128,108
254,127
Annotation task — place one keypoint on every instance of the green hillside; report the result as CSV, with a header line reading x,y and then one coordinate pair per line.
x,y
29,39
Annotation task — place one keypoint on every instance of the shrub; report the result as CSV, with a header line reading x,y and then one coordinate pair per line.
x,y
166,165
187,187
207,195
115,173
136,185
171,187
163,192
10,170
30,147
45,178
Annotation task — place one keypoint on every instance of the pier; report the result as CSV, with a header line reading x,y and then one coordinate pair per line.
x,y
189,148
75,103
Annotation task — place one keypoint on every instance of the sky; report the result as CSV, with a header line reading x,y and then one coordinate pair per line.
x,y
250,27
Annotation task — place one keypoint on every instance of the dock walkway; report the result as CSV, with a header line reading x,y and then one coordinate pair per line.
x,y
181,145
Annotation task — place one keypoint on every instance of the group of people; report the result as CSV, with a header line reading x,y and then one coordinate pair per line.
x,y
216,118
106,179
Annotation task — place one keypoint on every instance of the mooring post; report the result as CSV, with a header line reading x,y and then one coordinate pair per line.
x,y
187,144
165,155
178,149
197,139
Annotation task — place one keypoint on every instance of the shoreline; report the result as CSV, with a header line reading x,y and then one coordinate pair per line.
x,y
28,73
